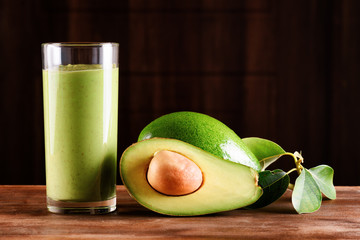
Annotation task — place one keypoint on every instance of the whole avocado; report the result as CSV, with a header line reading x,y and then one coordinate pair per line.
x,y
204,132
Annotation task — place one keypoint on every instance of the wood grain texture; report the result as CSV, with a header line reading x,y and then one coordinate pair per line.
x,y
23,215
283,70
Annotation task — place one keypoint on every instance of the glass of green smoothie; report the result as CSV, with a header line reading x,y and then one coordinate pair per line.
x,y
80,91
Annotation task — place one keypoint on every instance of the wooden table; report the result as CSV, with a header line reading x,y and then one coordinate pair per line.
x,y
23,215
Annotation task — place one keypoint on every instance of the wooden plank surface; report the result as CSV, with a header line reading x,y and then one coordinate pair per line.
x,y
23,215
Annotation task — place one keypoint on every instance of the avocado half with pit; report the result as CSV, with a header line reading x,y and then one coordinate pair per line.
x,y
163,176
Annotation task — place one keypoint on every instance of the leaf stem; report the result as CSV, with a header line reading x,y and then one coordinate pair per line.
x,y
291,170
298,159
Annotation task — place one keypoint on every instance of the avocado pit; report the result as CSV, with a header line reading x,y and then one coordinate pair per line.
x,y
173,174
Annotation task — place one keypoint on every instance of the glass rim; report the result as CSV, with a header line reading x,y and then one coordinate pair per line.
x,y
79,44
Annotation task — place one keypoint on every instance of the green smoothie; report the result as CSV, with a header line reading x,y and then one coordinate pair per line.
x,y
80,115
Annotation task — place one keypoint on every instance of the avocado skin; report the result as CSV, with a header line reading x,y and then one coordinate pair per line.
x,y
226,185
204,132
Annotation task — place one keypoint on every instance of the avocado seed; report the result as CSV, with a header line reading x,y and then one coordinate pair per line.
x,y
173,174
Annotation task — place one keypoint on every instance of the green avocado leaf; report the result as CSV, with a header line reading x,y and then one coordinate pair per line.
x,y
306,196
274,184
309,185
265,151
323,175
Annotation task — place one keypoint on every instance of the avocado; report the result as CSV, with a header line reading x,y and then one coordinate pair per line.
x,y
204,132
225,185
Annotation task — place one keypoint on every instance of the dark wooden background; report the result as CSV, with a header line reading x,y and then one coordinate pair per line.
x,y
284,70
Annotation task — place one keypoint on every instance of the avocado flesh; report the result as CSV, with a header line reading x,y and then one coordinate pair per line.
x,y
204,132
226,185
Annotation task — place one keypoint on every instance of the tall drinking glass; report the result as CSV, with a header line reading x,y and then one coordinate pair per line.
x,y
80,90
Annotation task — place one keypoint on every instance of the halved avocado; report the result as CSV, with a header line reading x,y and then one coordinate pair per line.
x,y
226,185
